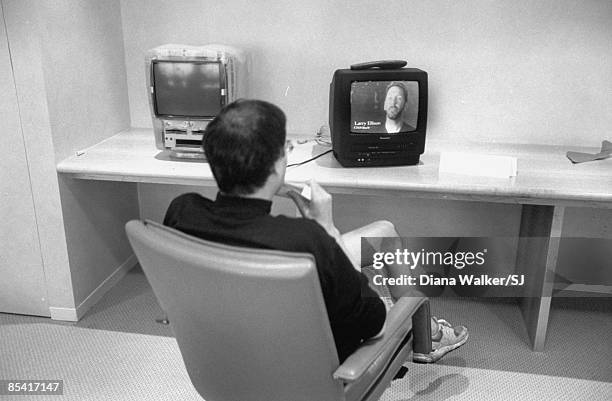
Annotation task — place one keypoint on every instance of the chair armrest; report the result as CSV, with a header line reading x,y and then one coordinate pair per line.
x,y
398,325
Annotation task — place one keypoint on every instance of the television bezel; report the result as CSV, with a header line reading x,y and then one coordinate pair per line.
x,y
222,86
346,144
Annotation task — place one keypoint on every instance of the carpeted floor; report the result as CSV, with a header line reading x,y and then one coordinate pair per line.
x,y
95,364
117,352
103,365
440,382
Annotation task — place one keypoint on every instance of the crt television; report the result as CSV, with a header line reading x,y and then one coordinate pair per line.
x,y
378,114
188,86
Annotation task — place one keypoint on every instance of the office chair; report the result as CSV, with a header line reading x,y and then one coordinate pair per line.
x,y
251,324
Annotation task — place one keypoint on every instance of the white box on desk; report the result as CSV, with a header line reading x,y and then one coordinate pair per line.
x,y
478,165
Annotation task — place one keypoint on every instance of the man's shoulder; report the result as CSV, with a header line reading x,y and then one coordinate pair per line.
x,y
190,198
185,204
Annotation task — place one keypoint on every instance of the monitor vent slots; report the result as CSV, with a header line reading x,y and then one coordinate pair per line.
x,y
176,131
189,143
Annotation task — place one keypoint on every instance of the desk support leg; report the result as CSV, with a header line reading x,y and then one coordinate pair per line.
x,y
538,249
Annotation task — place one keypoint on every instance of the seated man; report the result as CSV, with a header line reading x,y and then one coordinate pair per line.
x,y
246,148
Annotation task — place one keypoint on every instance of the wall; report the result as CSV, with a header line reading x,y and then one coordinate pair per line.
x,y
71,87
23,23
502,71
22,288
499,71
87,96
85,70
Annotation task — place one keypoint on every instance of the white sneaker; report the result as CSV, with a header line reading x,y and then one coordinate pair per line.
x,y
450,338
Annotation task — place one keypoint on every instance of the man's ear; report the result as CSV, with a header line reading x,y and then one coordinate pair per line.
x,y
280,164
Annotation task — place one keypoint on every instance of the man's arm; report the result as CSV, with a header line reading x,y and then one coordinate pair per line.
x,y
320,209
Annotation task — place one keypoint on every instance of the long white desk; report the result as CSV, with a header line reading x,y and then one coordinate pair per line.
x,y
546,183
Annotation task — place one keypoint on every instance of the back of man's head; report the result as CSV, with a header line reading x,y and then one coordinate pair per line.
x,y
243,143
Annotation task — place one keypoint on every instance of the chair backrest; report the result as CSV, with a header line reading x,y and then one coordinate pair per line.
x,y
251,324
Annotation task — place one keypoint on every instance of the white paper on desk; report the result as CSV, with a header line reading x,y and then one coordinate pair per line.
x,y
478,165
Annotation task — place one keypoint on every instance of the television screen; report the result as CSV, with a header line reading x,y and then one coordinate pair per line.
x,y
379,107
187,89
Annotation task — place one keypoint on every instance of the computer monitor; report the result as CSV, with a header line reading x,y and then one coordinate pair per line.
x,y
187,89
188,86
378,116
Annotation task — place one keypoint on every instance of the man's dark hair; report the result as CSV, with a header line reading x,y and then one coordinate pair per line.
x,y
401,86
242,144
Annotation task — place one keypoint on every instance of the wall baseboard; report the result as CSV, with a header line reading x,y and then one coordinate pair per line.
x,y
583,290
67,314
74,314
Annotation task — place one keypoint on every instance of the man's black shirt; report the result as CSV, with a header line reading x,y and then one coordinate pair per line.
x,y
354,316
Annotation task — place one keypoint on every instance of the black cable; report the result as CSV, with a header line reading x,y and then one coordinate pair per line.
x,y
309,160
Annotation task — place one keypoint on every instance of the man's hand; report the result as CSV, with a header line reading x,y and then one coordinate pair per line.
x,y
319,208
